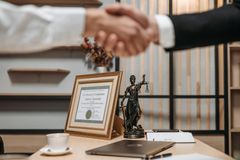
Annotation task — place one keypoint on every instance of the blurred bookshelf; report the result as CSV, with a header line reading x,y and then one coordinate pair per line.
x,y
234,97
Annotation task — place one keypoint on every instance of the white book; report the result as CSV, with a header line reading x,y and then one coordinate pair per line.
x,y
178,137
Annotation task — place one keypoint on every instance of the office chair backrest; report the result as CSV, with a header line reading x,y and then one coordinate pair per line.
x,y
1,146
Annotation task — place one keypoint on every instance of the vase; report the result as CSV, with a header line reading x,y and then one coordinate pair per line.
x,y
101,69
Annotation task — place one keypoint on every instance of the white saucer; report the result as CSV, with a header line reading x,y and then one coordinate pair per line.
x,y
48,151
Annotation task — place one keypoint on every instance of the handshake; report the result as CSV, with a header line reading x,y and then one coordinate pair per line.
x,y
121,29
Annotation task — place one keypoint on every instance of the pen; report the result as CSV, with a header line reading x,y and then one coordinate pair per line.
x,y
162,155
165,130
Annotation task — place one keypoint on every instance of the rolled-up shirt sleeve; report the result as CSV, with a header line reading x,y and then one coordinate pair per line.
x,y
166,31
30,28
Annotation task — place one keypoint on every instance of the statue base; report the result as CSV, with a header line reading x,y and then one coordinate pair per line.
x,y
135,133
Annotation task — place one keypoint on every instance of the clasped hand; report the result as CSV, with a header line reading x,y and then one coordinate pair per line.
x,y
121,29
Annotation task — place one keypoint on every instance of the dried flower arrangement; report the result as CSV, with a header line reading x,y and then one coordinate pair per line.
x,y
96,55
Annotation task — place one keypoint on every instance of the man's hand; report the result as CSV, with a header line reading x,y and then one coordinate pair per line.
x,y
113,43
121,9
148,23
118,33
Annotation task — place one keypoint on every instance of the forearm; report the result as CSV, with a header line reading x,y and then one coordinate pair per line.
x,y
208,28
29,28
124,96
123,99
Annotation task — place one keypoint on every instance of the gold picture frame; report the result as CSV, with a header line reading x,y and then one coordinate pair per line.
x,y
93,105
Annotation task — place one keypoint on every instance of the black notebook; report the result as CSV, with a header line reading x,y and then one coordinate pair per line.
x,y
131,148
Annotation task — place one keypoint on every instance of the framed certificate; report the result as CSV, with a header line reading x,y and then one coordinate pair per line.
x,y
93,105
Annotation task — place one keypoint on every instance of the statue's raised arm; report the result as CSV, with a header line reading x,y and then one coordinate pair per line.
x,y
143,82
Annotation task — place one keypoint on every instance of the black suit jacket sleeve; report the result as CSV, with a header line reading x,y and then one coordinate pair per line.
x,y
208,28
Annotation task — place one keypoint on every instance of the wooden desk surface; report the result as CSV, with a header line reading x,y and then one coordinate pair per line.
x,y
80,144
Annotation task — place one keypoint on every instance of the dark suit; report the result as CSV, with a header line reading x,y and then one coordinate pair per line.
x,y
208,28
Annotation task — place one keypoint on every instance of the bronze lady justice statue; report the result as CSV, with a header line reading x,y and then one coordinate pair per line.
x,y
132,112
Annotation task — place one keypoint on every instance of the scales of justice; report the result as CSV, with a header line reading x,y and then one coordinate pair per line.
x,y
132,111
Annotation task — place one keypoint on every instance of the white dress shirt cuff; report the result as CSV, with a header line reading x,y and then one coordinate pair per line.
x,y
68,25
166,31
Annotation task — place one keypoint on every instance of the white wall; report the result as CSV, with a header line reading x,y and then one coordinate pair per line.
x,y
107,2
38,114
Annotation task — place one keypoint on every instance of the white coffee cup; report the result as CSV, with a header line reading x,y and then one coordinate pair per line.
x,y
58,142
